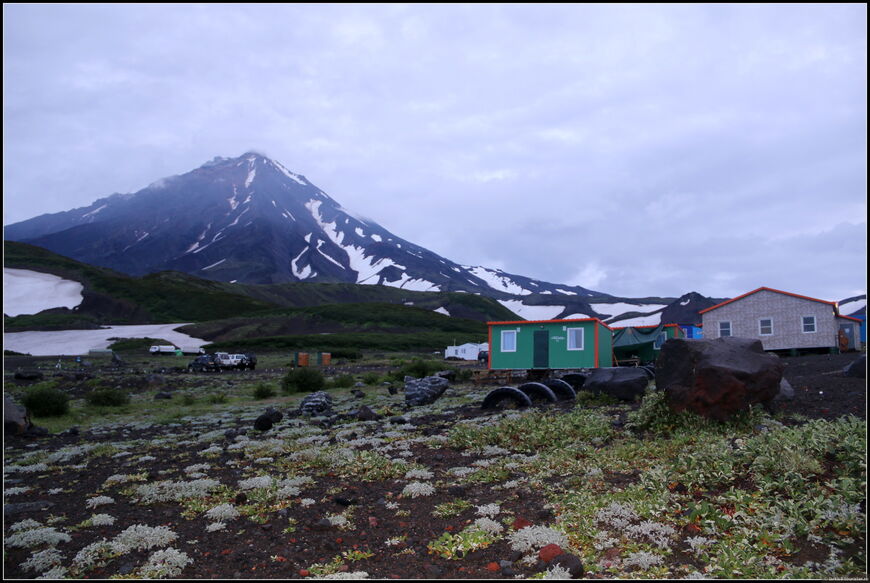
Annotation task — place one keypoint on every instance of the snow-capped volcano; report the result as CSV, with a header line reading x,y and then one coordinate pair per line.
x,y
250,219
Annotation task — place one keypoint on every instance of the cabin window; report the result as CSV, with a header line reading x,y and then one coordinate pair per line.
x,y
809,324
575,338
508,340
660,339
765,327
724,329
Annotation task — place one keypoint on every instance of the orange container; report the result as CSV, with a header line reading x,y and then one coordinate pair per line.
x,y
325,358
303,359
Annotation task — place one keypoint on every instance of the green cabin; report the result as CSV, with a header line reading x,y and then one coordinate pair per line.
x,y
642,343
549,344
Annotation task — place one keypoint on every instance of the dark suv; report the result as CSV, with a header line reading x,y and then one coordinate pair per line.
x,y
249,361
204,363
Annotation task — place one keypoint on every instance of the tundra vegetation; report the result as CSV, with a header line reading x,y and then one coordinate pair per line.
x,y
185,487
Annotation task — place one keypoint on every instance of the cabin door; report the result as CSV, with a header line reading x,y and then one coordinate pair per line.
x,y
541,357
849,332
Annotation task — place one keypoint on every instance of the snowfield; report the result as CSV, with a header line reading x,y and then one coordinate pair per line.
x,y
79,342
30,292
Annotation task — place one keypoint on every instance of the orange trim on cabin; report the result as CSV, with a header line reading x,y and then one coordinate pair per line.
x,y
596,346
489,351
770,289
548,322
849,318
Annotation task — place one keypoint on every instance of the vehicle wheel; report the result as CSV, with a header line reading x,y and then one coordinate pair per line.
x,y
538,393
506,398
561,389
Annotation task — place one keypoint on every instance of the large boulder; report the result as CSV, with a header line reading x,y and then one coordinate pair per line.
x,y
424,391
16,421
718,377
318,403
624,383
269,417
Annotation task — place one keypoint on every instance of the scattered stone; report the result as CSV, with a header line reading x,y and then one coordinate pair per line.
x,y
16,421
163,395
624,383
717,377
357,393
786,391
269,417
570,563
318,403
424,391
398,420
366,414
15,508
392,390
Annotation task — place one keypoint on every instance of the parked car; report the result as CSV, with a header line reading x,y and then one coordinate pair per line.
x,y
248,361
204,363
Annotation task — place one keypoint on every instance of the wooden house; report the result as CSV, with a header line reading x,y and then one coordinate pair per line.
x,y
782,321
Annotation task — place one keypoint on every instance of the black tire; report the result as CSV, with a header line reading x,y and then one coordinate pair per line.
x,y
575,379
649,370
538,392
506,398
562,390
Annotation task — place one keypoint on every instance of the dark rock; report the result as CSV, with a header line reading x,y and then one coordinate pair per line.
x,y
857,369
786,391
458,491
366,414
126,568
163,395
570,563
450,375
398,420
345,501
322,524
318,403
392,390
357,393
717,377
269,417
424,391
13,509
28,375
240,499
624,383
155,379
16,421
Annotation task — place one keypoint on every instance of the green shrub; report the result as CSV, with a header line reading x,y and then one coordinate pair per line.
x,y
218,398
264,391
303,380
187,399
46,401
371,378
107,397
343,381
417,368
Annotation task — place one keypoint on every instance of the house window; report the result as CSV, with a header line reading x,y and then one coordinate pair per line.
x,y
765,327
809,324
575,338
508,340
660,339
724,329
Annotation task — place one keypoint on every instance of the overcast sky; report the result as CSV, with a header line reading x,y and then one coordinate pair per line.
x,y
637,150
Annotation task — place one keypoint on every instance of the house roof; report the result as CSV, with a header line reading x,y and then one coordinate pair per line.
x,y
571,321
770,289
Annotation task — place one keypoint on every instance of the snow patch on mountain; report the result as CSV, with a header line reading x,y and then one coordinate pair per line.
x,y
30,292
442,310
80,342
95,211
215,264
288,174
619,308
496,281
651,320
532,312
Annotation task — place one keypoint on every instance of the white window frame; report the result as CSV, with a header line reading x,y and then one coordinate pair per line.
x,y
505,333
804,325
582,338
761,327
730,329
